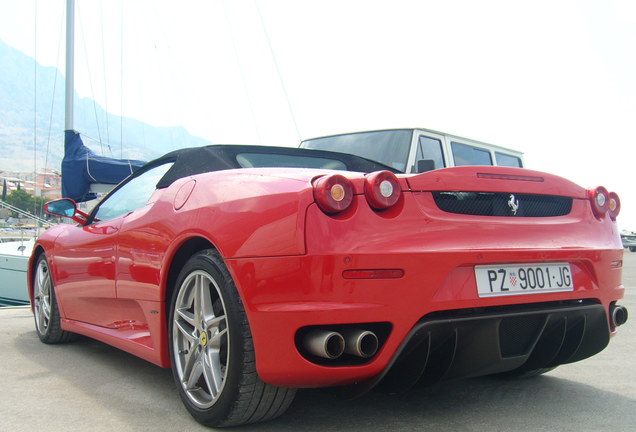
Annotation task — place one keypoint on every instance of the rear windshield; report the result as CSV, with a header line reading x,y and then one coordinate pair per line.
x,y
264,160
390,147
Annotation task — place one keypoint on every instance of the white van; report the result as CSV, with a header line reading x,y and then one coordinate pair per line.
x,y
417,150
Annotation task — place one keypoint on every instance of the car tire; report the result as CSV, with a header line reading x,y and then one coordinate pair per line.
x,y
45,309
632,248
211,349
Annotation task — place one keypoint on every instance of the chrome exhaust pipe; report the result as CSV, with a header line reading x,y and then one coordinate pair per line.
x,y
618,315
324,343
360,343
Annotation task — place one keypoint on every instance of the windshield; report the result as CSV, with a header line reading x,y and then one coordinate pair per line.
x,y
390,147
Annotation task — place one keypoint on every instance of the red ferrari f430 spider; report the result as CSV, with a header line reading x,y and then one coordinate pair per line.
x,y
254,271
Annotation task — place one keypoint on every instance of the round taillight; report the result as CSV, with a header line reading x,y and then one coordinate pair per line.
x,y
613,205
600,201
382,189
333,193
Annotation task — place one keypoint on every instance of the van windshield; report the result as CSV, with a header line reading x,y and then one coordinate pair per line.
x,y
389,147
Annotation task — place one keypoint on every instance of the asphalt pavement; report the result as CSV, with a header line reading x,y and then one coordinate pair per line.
x,y
87,385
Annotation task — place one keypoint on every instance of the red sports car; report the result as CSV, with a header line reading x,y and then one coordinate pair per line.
x,y
253,271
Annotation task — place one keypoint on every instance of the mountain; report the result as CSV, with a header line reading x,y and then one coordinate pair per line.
x,y
17,93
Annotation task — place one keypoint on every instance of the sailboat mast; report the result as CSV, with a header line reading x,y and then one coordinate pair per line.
x,y
70,63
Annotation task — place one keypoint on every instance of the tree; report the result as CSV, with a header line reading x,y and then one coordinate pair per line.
x,y
27,202
21,199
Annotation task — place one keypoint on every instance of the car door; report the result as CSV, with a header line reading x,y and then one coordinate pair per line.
x,y
87,280
141,242
85,273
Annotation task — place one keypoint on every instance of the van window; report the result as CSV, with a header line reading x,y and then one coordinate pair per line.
x,y
507,160
465,155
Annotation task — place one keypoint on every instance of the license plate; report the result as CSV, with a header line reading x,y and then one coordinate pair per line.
x,y
515,279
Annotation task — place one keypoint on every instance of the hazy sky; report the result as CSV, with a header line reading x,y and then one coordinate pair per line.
x,y
554,79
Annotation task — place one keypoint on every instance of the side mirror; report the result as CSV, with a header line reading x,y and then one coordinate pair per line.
x,y
66,207
63,207
425,165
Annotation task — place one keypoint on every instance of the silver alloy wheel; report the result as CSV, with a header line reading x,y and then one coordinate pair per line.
x,y
200,339
42,296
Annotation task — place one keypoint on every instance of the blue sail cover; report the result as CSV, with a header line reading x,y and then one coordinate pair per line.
x,y
81,167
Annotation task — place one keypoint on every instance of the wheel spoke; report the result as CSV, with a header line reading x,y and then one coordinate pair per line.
x,y
214,322
187,333
207,312
186,315
212,372
41,316
46,310
217,339
196,300
195,374
46,285
39,278
190,362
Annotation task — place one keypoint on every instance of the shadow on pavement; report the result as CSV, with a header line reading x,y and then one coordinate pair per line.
x,y
132,392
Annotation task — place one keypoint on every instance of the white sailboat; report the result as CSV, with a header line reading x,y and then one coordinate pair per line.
x,y
14,260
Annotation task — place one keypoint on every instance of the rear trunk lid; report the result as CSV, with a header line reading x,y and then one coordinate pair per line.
x,y
495,179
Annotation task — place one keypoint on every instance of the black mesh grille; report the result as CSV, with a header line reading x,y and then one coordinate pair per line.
x,y
516,334
503,204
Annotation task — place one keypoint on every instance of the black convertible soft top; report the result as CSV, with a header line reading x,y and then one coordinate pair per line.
x,y
198,160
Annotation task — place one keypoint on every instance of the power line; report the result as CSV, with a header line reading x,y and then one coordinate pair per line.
x,y
90,81
35,106
238,62
282,83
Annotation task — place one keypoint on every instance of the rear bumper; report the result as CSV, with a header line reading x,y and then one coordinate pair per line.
x,y
283,295
438,253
